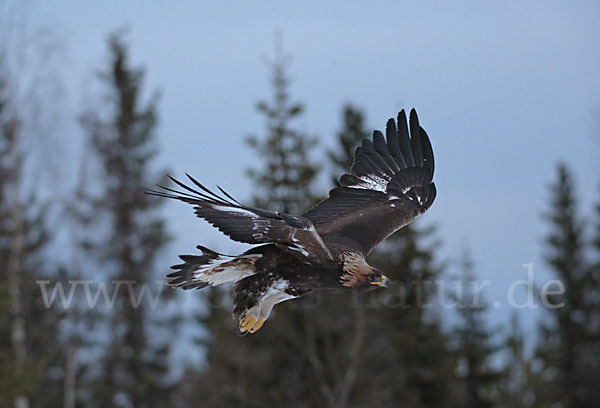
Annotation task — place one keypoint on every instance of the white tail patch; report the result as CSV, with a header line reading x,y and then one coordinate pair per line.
x,y
224,269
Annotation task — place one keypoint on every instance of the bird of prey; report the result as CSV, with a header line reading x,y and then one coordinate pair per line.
x,y
389,185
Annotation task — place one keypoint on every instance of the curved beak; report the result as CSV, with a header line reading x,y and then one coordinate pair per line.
x,y
384,282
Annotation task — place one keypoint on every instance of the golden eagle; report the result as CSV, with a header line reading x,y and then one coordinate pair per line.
x,y
389,186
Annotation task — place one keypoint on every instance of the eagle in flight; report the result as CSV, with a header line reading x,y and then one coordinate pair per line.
x,y
389,185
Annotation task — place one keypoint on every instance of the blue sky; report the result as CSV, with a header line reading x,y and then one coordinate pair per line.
x,y
504,89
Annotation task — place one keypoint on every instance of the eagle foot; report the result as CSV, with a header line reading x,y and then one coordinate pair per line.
x,y
249,324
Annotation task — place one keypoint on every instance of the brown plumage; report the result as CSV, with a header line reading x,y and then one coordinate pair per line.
x,y
389,186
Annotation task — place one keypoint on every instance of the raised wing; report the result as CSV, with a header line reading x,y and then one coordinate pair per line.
x,y
389,186
296,235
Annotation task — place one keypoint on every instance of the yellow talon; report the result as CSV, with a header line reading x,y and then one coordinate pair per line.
x,y
250,324
257,325
247,323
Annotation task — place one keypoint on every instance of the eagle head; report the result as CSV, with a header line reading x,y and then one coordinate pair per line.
x,y
378,279
358,274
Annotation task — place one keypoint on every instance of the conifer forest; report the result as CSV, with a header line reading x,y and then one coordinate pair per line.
x,y
495,292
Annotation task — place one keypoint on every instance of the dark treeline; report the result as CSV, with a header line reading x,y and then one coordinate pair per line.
x,y
323,350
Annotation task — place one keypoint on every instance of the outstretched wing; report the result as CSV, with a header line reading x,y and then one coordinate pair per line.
x,y
296,235
389,186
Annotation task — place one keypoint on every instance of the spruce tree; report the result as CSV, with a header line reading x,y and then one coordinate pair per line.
x,y
569,339
414,352
516,385
129,236
593,297
475,344
268,367
29,345
285,182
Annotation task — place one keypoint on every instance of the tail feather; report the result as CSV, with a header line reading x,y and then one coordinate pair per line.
x,y
210,268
